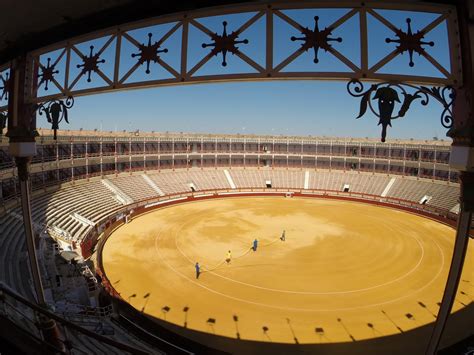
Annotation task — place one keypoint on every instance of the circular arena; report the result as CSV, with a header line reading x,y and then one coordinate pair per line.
x,y
361,269
275,228
369,232
345,271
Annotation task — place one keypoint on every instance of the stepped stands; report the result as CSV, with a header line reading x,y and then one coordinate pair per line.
x,y
443,195
323,180
373,184
209,179
174,182
14,269
134,186
93,201
247,178
152,185
76,340
118,194
90,199
292,179
281,179
103,326
170,182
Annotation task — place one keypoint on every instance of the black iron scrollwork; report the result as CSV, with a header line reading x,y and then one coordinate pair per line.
x,y
316,39
149,53
388,93
446,96
3,121
55,111
225,43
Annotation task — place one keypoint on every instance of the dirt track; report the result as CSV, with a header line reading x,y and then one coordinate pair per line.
x,y
353,270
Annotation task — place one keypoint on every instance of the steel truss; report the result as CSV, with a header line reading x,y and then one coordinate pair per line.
x,y
47,74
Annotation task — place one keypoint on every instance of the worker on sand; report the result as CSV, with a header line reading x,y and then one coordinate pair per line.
x,y
255,244
198,270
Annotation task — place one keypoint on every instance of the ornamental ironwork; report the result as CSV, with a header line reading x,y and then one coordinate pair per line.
x,y
225,43
316,39
269,28
3,121
90,63
387,94
47,74
149,53
55,111
410,42
5,86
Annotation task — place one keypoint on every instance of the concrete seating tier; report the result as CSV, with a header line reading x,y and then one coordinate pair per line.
x,y
442,195
93,201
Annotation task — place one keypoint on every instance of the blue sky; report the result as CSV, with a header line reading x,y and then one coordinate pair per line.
x,y
280,107
318,108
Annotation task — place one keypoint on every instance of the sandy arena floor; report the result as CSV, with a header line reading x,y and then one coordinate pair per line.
x,y
347,271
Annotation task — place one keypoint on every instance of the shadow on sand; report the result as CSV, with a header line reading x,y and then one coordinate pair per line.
x,y
406,342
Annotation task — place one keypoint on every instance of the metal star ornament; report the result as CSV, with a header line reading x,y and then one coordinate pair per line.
x,y
410,42
47,74
149,53
90,64
316,39
225,43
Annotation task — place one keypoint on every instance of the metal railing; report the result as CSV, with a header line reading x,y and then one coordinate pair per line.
x,y
25,314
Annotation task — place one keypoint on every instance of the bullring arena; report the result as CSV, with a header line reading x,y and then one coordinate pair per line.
x,y
274,228
346,271
368,242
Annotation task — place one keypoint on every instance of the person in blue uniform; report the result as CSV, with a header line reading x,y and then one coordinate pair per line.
x,y
198,270
255,244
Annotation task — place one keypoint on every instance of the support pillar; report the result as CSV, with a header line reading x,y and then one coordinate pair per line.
x,y
23,164
457,262
22,145
462,159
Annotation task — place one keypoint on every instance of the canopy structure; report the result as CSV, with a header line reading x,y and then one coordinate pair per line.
x,y
79,65
28,25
